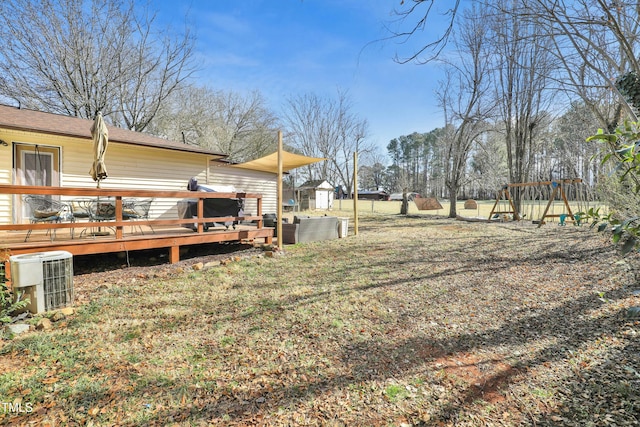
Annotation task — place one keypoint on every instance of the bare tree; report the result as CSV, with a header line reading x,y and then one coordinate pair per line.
x,y
403,184
586,48
463,98
326,127
489,164
570,131
78,57
242,127
522,66
186,116
413,17
595,42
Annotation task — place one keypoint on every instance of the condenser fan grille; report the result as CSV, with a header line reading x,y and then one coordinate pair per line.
x,y
58,283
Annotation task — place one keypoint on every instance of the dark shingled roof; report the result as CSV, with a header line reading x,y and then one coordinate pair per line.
x,y
311,184
57,124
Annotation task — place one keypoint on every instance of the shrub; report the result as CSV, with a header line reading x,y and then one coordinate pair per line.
x,y
8,304
623,220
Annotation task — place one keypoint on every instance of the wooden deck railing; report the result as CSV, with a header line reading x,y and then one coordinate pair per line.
x,y
117,195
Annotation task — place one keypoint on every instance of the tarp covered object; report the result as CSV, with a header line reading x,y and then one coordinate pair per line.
x,y
427,204
269,163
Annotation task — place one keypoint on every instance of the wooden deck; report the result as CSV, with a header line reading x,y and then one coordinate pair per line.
x,y
78,237
170,238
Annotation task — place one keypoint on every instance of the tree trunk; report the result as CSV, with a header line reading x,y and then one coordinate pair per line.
x,y
404,208
453,198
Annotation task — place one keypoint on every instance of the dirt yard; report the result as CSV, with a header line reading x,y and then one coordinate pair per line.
x,y
417,321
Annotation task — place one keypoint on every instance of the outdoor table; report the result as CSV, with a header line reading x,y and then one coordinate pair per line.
x,y
93,210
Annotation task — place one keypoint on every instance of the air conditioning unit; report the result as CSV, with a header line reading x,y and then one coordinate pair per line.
x,y
45,277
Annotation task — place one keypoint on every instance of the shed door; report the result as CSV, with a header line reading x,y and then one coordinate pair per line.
x,y
322,199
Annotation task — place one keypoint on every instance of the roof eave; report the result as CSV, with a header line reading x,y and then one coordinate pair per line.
x,y
186,148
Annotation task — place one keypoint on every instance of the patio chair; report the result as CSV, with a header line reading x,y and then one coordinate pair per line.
x,y
101,211
81,211
80,208
46,210
137,210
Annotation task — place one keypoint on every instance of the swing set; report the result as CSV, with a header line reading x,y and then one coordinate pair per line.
x,y
532,191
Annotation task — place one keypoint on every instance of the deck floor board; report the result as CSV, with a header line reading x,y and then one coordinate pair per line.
x,y
163,237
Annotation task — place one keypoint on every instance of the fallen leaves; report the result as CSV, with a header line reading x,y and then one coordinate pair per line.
x,y
410,322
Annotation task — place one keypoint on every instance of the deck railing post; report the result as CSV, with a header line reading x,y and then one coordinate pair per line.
x,y
177,230
200,214
119,228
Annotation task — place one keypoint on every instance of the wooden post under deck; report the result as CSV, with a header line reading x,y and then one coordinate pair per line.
x,y
174,254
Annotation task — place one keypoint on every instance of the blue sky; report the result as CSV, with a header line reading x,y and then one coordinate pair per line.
x,y
286,48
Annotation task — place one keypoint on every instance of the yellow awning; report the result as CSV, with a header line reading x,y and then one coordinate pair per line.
x,y
269,163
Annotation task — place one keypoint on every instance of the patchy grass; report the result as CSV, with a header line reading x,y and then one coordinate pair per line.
x,y
415,321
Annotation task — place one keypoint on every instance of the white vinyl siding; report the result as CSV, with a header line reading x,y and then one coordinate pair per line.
x,y
249,182
133,167
6,166
137,167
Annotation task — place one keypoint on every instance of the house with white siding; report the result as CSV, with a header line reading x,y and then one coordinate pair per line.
x,y
38,148
248,181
